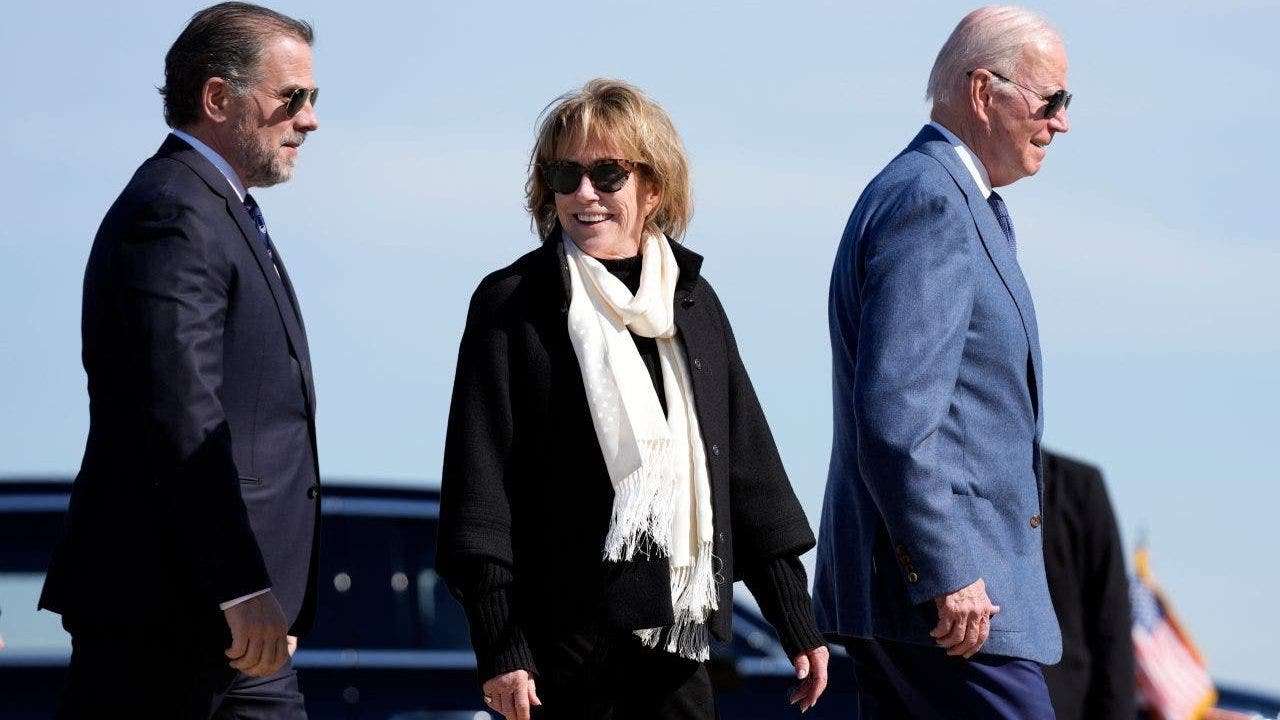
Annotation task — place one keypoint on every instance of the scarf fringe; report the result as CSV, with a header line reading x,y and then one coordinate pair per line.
x,y
644,504
690,640
693,597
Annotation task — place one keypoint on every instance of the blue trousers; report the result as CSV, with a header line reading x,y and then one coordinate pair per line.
x,y
901,680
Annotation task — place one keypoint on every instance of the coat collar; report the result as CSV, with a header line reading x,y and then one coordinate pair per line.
x,y
177,149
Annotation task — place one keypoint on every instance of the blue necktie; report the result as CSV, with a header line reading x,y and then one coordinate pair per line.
x,y
1002,216
255,212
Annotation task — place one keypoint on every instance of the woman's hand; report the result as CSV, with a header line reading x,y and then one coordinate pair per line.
x,y
811,670
512,693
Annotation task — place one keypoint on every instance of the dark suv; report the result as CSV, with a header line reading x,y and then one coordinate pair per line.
x,y
390,642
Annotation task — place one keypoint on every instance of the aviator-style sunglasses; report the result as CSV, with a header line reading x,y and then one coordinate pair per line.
x,y
1060,100
298,98
607,175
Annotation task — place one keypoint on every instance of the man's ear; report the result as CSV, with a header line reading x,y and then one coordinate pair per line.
x,y
215,100
981,95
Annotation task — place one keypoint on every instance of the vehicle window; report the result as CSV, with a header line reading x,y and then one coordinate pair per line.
x,y
23,628
28,539
379,589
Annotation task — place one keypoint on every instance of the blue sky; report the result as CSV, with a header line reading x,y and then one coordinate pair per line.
x,y
1147,238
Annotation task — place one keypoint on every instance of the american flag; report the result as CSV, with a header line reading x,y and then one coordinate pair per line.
x,y
1173,682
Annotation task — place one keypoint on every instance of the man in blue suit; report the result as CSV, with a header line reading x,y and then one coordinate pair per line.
x,y
189,560
930,568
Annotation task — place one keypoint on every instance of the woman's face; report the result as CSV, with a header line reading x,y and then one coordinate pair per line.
x,y
605,224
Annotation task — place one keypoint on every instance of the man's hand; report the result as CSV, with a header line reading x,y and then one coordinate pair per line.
x,y
811,670
511,694
964,619
258,645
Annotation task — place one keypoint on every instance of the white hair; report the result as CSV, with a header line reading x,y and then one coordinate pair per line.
x,y
990,38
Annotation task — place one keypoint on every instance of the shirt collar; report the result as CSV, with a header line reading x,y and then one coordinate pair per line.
x,y
967,157
212,156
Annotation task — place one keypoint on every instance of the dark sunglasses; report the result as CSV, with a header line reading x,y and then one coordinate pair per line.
x,y
1060,100
607,175
298,98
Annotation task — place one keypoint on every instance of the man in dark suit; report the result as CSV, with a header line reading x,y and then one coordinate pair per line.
x,y
1084,559
189,560
930,567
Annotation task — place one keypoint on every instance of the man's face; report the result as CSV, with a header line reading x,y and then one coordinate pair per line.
x,y
265,140
1018,133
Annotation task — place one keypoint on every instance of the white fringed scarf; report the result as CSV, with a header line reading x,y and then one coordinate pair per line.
x,y
658,465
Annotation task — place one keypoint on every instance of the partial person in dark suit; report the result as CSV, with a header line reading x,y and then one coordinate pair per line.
x,y
1084,560
930,565
188,565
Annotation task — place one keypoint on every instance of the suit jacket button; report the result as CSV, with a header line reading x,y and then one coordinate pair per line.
x,y
313,492
715,449
912,577
697,363
687,302
1035,521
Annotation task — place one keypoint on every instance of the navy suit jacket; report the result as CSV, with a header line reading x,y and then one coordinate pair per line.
x,y
199,482
935,465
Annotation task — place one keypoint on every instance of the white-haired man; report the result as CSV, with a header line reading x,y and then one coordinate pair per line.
x,y
930,568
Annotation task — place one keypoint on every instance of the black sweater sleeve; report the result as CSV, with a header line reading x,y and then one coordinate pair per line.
x,y
782,590
484,588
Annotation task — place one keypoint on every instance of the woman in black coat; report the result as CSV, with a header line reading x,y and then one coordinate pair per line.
x,y
608,470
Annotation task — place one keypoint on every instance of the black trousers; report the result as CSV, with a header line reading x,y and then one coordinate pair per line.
x,y
611,675
170,676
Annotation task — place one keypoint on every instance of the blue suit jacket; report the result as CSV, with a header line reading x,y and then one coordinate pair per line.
x,y
935,465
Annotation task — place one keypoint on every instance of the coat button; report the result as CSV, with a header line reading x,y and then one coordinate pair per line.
x,y
715,449
697,363
313,492
687,302
1035,521
912,577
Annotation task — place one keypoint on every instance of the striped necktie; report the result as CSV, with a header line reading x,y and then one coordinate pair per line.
x,y
1002,216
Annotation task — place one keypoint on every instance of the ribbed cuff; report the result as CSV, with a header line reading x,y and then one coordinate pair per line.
x,y
782,590
497,639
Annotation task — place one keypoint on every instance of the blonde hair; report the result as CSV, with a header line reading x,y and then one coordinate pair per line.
x,y
617,115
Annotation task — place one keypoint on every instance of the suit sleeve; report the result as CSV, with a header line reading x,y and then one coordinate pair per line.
x,y
474,554
916,298
173,289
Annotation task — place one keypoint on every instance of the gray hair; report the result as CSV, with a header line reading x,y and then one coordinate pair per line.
x,y
991,38
224,41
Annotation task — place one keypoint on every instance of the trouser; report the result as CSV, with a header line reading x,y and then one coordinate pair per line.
x,y
902,680
169,676
611,675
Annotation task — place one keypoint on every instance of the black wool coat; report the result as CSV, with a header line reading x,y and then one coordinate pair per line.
x,y
525,485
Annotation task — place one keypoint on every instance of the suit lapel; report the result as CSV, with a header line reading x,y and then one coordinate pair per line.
x,y
286,302
305,356
932,143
